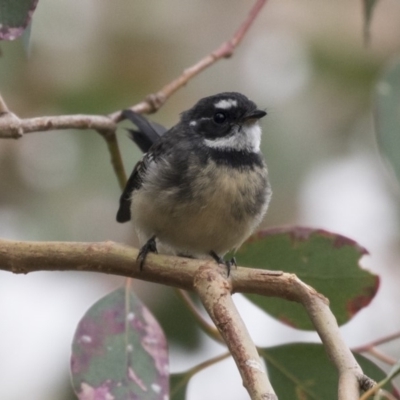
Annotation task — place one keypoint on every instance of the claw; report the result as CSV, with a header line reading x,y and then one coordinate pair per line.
x,y
220,260
149,246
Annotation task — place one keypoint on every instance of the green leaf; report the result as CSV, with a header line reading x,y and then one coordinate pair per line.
x,y
178,384
369,6
15,16
395,370
179,381
303,371
324,260
387,115
26,37
119,351
188,338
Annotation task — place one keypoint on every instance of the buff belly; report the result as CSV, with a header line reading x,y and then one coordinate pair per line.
x,y
222,211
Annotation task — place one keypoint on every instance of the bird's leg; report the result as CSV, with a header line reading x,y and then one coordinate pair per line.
x,y
149,246
220,260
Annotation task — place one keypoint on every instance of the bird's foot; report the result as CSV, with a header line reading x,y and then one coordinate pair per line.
x,y
149,247
229,264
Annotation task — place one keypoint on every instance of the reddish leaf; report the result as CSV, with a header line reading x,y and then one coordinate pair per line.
x,y
326,261
119,352
15,16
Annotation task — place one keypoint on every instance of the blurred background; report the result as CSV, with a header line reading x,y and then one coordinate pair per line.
x,y
306,63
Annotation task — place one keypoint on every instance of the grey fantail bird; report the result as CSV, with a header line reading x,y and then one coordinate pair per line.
x,y
202,187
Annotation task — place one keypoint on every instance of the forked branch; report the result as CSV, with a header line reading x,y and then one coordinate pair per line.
x,y
213,287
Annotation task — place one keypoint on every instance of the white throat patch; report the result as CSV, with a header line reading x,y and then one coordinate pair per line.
x,y
248,139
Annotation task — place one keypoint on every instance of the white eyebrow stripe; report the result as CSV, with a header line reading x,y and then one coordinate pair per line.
x,y
226,104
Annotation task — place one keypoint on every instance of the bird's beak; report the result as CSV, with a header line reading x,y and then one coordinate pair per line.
x,y
254,115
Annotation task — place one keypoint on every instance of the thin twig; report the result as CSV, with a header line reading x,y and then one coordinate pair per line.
x,y
3,106
154,101
377,342
371,391
14,128
386,395
209,329
197,368
116,158
373,351
371,348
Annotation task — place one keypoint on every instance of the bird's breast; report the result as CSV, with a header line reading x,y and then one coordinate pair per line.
x,y
215,208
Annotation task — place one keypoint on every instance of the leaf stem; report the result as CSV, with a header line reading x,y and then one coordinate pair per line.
x,y
209,329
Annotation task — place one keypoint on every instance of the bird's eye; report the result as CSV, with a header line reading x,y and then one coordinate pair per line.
x,y
219,117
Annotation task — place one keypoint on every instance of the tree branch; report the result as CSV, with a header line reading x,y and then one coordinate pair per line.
x,y
112,258
351,376
3,106
154,101
377,342
13,127
199,367
373,351
208,328
371,348
115,156
215,294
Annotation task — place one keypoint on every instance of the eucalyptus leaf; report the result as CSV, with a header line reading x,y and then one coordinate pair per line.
x,y
387,115
179,383
326,261
15,16
369,6
119,351
303,371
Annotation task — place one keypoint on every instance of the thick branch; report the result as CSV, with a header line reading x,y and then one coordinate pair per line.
x,y
215,293
351,377
112,258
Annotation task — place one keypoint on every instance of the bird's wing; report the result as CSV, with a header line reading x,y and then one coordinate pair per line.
x,y
134,183
158,143
148,132
136,179
145,137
